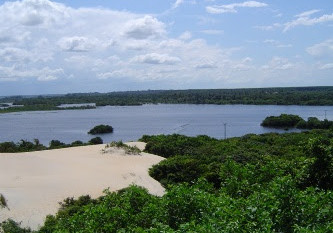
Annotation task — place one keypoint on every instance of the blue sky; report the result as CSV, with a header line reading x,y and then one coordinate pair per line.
x,y
100,46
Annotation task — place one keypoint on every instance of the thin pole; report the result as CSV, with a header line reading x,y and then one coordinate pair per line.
x,y
225,130
325,114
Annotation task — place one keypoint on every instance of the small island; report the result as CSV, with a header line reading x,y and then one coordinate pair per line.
x,y
287,121
101,129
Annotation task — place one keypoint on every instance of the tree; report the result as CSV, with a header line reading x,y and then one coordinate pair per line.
x,y
96,140
320,172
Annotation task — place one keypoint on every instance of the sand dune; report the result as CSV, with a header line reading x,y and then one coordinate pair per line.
x,y
34,182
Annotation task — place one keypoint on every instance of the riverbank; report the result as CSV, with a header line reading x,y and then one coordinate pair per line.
x,y
33,183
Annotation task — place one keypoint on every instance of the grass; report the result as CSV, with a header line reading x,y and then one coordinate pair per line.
x,y
133,150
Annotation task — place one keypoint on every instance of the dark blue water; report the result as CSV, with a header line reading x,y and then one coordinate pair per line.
x,y
131,122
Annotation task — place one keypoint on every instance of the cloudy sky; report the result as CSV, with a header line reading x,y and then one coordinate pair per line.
x,y
49,47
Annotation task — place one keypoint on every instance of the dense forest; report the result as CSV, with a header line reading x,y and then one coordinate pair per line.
x,y
256,96
255,183
293,121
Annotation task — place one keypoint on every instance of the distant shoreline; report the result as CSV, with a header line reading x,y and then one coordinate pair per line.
x,y
303,96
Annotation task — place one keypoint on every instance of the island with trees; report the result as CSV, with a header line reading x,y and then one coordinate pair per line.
x,y
287,121
101,129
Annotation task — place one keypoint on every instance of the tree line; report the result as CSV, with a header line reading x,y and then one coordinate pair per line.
x,y
255,96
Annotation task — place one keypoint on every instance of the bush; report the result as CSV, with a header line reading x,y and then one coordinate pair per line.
x,y
134,150
101,129
54,144
3,201
96,140
10,226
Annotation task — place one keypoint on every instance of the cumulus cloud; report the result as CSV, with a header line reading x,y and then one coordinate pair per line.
x,y
76,44
44,74
206,66
143,28
33,12
304,19
155,58
278,63
232,8
185,35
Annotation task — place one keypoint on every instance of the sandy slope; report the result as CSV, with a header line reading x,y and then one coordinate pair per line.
x,y
34,182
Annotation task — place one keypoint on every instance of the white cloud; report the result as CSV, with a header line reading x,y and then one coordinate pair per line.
x,y
155,58
177,3
278,63
33,12
212,32
323,49
206,66
307,13
16,72
185,35
328,66
232,8
76,44
304,19
268,27
144,28
277,43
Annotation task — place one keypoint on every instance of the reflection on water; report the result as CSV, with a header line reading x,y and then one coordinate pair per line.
x,y
131,122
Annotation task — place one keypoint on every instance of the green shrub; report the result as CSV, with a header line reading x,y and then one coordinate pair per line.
x,y
3,201
96,140
101,129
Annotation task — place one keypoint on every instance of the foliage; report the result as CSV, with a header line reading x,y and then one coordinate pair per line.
x,y
101,129
21,146
3,201
134,150
320,172
291,121
55,144
257,96
284,120
11,226
26,146
96,141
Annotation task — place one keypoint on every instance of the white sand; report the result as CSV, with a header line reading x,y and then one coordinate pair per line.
x,y
35,182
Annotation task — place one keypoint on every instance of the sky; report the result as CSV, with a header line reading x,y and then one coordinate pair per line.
x,y
57,47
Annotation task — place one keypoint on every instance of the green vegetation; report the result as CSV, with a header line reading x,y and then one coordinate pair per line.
x,y
96,141
255,183
292,121
101,129
282,121
134,150
41,107
3,201
26,146
256,96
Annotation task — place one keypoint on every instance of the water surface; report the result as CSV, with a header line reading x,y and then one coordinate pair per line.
x,y
131,122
